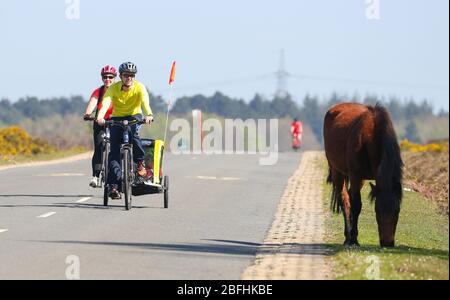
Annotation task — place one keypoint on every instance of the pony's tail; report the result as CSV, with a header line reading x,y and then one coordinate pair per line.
x,y
389,173
336,196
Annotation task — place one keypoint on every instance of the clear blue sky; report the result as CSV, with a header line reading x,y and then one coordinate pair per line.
x,y
44,54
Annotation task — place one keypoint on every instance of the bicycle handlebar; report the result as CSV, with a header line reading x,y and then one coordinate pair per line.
x,y
122,122
116,122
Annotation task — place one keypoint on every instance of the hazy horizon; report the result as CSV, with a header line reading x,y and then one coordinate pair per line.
x,y
232,47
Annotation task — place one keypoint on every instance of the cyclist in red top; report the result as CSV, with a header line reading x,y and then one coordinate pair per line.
x,y
296,131
108,74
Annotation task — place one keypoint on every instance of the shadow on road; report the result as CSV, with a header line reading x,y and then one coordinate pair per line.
x,y
250,249
76,205
239,248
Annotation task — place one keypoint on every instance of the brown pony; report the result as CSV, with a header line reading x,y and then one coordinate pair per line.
x,y
360,144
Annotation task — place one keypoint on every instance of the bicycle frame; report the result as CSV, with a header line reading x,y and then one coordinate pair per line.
x,y
127,145
127,160
105,141
106,137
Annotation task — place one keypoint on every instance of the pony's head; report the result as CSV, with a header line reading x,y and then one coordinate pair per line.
x,y
387,209
388,189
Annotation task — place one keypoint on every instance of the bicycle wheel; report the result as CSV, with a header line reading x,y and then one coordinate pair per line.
x,y
105,157
166,191
105,170
126,180
105,195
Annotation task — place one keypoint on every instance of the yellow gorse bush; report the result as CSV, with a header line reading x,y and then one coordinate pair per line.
x,y
418,148
16,141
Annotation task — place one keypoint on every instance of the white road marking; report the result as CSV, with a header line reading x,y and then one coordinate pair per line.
x,y
61,175
207,177
46,215
3,230
230,178
217,178
83,200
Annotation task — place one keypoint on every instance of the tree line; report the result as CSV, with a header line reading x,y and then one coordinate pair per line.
x,y
310,111
33,108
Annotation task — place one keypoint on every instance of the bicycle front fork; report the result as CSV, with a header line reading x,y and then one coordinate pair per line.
x,y
131,160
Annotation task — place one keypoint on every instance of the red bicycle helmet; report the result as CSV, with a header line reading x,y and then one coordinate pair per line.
x,y
108,70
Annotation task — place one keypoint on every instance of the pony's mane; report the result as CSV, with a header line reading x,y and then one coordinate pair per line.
x,y
389,174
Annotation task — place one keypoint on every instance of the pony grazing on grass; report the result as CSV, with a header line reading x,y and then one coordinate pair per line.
x,y
361,144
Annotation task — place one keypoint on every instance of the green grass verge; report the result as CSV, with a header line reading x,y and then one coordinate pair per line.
x,y
21,159
422,242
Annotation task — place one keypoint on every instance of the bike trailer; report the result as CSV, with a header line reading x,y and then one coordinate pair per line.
x,y
154,151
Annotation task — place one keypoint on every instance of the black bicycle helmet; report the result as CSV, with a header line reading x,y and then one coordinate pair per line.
x,y
128,67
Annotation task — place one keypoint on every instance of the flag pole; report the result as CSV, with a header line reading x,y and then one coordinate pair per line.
x,y
171,80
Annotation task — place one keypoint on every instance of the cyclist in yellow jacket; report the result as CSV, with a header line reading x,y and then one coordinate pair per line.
x,y
130,100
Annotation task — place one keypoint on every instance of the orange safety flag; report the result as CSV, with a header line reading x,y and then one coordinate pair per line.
x,y
172,73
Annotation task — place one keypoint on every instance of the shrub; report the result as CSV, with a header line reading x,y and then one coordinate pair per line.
x,y
418,148
16,141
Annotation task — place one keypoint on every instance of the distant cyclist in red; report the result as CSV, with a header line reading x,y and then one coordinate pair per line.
x,y
108,74
296,131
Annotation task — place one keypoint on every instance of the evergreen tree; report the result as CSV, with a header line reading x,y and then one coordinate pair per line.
x,y
284,107
394,108
411,133
312,114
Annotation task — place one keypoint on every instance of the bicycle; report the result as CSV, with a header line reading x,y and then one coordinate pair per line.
x,y
105,155
296,141
127,163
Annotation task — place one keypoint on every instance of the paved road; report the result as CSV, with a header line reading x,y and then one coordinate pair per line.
x,y
220,210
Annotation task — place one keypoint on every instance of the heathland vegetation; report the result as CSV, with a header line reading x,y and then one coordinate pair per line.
x,y
58,121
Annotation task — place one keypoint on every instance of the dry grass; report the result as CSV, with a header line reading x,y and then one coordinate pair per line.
x,y
428,173
63,133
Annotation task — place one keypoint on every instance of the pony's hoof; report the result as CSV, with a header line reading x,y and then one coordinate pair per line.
x,y
387,245
351,244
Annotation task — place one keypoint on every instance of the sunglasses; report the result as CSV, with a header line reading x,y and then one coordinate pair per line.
x,y
108,77
128,75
